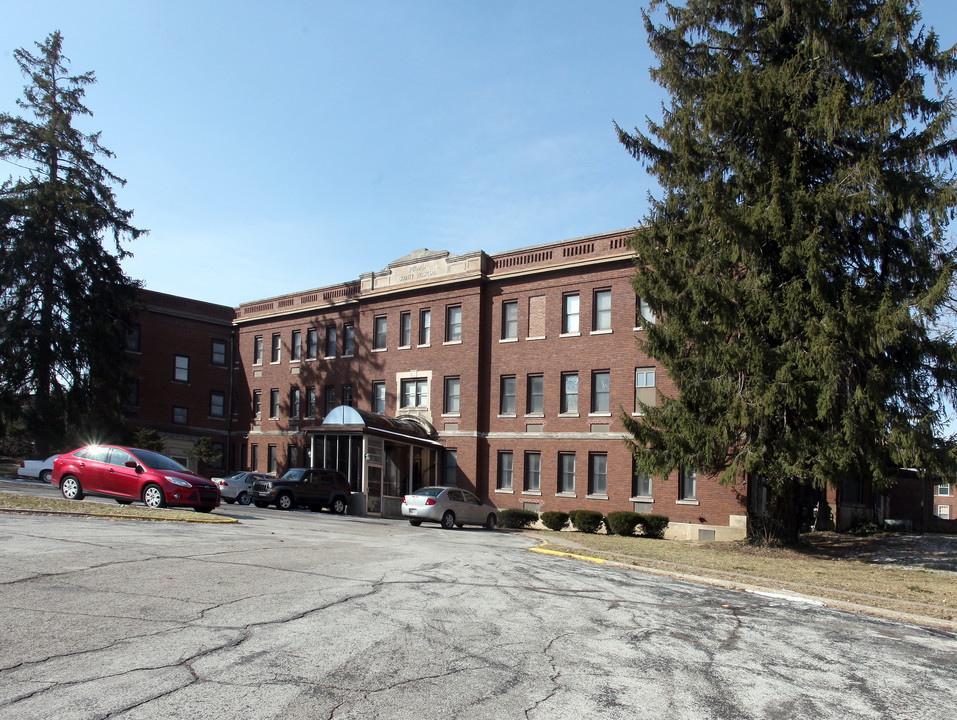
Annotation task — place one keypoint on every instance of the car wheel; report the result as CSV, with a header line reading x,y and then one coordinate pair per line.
x,y
415,523
203,509
71,488
122,501
338,506
491,521
260,504
285,502
153,496
243,498
448,520
46,476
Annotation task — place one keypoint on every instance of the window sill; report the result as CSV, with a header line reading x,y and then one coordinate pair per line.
x,y
377,350
537,416
566,495
536,493
507,415
568,415
599,496
599,414
572,334
404,347
508,340
505,491
687,502
641,499
537,337
452,415
608,331
426,345
452,342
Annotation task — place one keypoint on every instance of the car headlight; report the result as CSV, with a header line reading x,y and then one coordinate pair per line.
x,y
177,481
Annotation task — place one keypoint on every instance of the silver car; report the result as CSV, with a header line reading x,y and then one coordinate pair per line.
x,y
40,469
236,487
448,506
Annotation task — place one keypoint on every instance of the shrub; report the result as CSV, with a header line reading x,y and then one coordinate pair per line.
x,y
554,520
586,521
516,519
653,526
623,522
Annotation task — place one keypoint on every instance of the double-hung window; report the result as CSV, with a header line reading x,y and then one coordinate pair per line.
x,y
601,311
312,344
570,313
380,333
505,460
181,368
348,339
331,341
276,353
405,329
597,474
645,392
217,404
687,484
453,323
533,472
510,320
566,472
378,397
415,392
257,404
274,403
600,391
295,346
310,402
535,395
507,395
425,327
453,387
569,401
258,350
295,396
219,353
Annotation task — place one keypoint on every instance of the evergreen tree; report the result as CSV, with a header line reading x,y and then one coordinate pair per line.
x,y
797,259
64,301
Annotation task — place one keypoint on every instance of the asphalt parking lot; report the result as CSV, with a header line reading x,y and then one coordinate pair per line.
x,y
304,615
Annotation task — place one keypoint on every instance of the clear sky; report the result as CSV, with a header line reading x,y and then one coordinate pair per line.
x,y
278,147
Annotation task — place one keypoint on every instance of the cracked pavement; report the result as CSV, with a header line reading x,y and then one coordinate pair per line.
x,y
303,615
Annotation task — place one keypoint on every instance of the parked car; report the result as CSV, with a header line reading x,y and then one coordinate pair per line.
x,y
130,474
238,486
315,488
448,506
42,469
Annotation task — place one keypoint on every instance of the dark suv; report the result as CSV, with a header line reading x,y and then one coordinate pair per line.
x,y
315,488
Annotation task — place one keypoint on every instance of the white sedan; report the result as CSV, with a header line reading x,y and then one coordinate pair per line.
x,y
40,469
448,506
236,487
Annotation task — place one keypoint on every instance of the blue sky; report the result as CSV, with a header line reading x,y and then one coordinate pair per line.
x,y
282,147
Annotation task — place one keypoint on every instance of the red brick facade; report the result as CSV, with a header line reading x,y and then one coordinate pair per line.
x,y
542,322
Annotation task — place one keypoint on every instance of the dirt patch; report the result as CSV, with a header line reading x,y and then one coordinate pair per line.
x,y
928,552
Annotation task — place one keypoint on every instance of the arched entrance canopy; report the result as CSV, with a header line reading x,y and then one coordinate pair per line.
x,y
350,419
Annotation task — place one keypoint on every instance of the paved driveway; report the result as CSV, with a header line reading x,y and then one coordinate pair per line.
x,y
302,615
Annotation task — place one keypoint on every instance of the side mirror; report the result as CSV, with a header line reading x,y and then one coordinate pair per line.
x,y
135,465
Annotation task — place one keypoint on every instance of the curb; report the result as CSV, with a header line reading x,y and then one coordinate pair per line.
x,y
119,516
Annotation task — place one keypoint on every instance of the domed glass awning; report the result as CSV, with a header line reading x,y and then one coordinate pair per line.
x,y
349,419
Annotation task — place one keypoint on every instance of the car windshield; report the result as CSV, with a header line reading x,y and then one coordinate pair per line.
x,y
156,461
429,491
294,475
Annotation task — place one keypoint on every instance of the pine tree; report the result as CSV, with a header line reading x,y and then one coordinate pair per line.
x,y
797,259
64,298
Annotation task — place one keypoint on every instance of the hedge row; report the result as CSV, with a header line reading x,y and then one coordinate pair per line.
x,y
589,521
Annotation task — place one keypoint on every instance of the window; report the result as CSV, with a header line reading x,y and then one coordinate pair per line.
x,y
535,396
295,397
504,481
600,391
330,398
276,348
943,512
507,400
295,346
331,341
601,311
217,404
533,472
452,389
597,474
640,483
644,315
349,340
453,323
133,392
271,459
566,472
258,350
292,456
378,397
450,467
425,327
133,338
569,401
274,403
942,490
219,353
380,333
570,305
347,398
180,415
310,402
687,484
312,344
405,329
510,320
415,392
253,457
181,368
257,404
645,388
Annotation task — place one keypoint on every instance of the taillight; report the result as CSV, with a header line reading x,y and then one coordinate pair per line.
x,y
430,501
